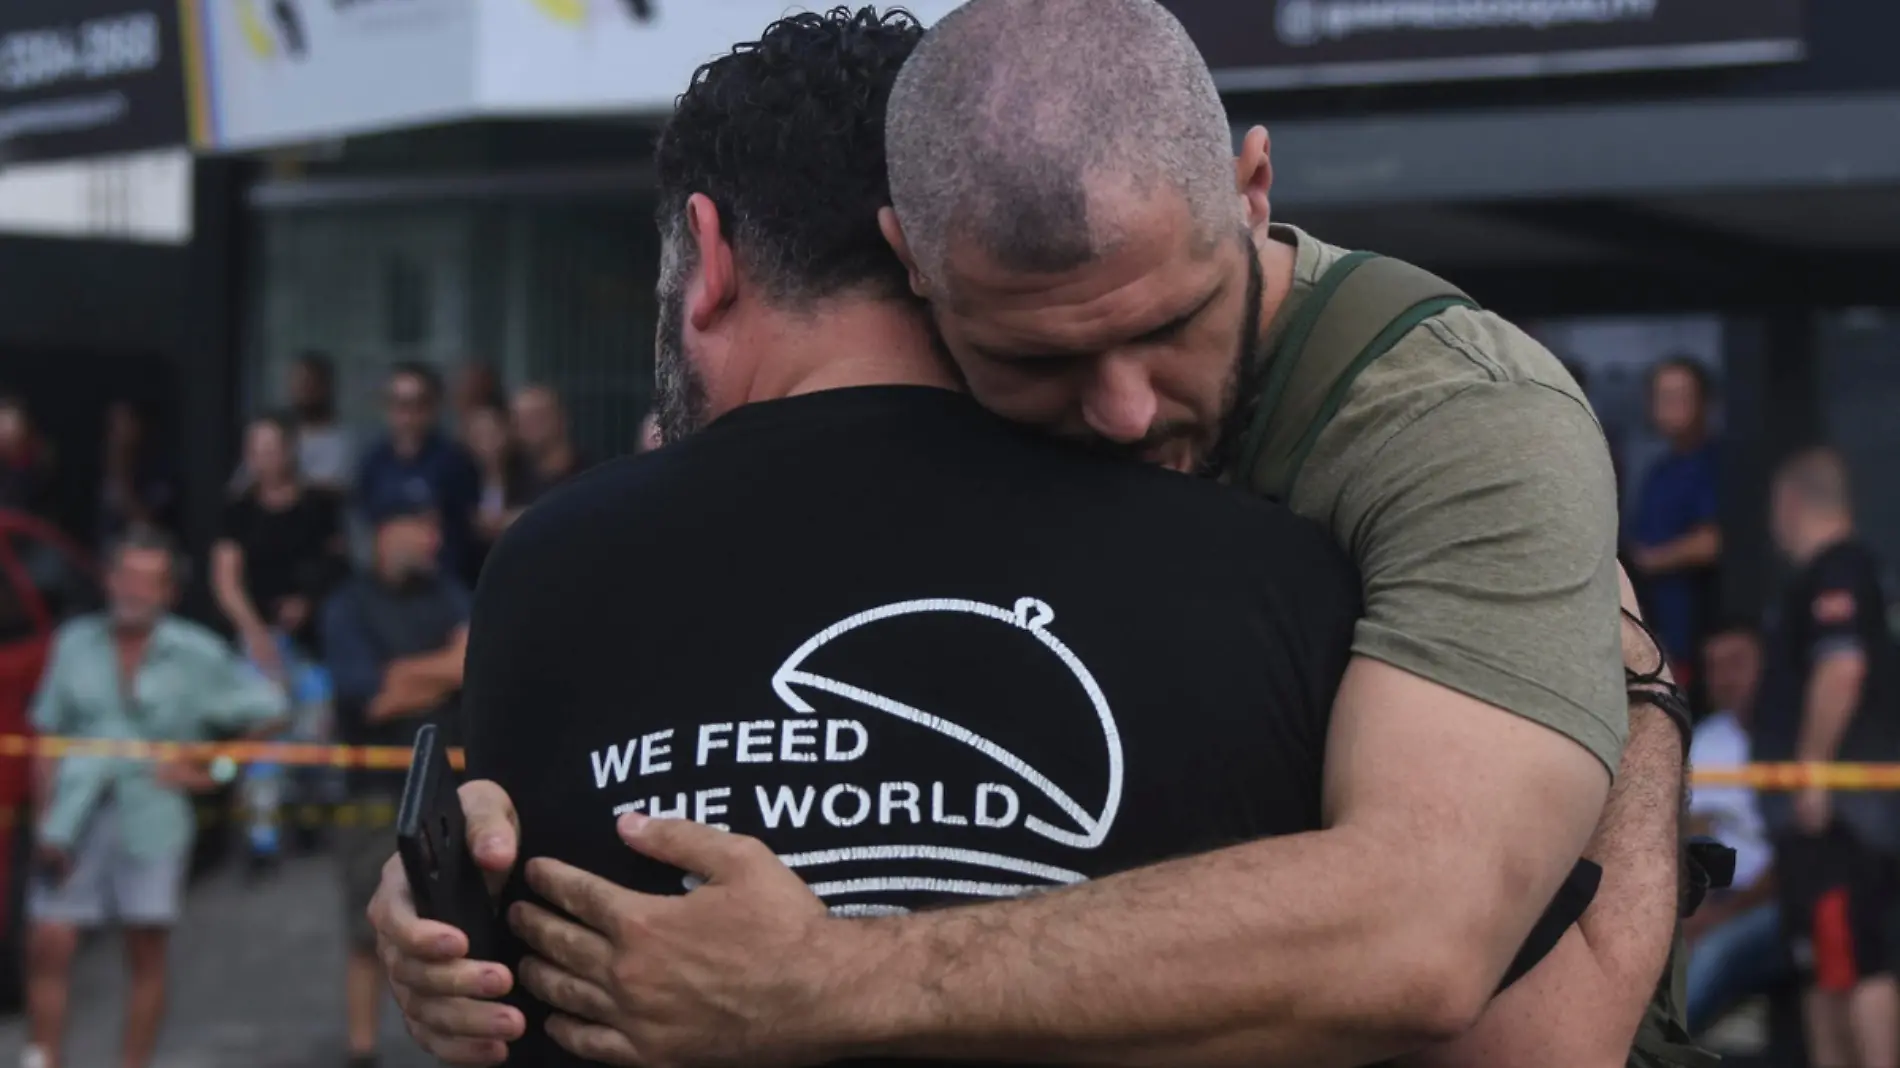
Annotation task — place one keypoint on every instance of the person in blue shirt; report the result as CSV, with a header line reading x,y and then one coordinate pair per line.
x,y
417,465
394,638
1675,529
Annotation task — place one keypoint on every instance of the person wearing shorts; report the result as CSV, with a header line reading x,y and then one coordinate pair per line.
x,y
1829,687
114,836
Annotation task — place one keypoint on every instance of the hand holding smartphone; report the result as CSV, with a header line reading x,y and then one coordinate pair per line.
x,y
432,839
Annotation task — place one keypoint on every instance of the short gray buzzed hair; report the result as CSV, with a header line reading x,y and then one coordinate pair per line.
x,y
1011,113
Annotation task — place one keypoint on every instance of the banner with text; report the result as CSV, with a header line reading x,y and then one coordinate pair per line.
x,y
284,71
1284,44
89,77
287,71
618,55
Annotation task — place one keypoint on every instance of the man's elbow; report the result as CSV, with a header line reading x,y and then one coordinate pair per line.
x,y
1427,985
1445,993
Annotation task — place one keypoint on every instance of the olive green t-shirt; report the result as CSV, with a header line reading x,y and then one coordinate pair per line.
x,y
1472,484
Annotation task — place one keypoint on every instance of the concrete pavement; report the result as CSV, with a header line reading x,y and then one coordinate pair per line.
x,y
257,982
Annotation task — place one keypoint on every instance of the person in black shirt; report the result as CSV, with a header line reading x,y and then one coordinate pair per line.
x,y
547,455
280,548
923,656
395,641
1828,693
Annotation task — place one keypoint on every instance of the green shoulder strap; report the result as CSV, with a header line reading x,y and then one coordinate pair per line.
x,y
1359,309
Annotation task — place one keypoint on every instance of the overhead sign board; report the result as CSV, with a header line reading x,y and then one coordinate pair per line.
x,y
1284,44
89,77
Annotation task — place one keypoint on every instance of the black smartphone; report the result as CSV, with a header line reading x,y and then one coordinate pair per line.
x,y
432,839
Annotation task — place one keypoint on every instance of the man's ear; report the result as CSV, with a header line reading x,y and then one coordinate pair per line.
x,y
717,282
894,235
1253,176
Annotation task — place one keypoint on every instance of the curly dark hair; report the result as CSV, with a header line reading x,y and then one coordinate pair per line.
x,y
786,136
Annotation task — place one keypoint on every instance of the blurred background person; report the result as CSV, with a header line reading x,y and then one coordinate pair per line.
x,y
477,385
1828,693
115,835
137,487
490,442
325,454
1735,945
394,640
1674,531
26,465
548,456
416,464
281,549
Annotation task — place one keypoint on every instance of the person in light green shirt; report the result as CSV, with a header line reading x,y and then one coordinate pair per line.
x,y
114,833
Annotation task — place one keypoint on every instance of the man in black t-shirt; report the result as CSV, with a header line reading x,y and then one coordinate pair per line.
x,y
1828,693
922,656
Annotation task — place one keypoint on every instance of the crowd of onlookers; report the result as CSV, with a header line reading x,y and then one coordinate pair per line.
x,y
1814,907
341,570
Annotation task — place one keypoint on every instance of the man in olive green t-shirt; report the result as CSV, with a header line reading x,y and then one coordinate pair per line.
x,y
1100,265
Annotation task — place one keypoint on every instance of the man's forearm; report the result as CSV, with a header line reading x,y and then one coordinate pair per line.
x,y
1255,955
1631,923
1833,694
1581,1005
1701,547
442,668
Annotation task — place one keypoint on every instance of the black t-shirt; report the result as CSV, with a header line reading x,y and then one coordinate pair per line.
x,y
1835,603
927,658
289,552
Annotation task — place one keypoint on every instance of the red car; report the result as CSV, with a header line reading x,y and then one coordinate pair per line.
x,y
44,580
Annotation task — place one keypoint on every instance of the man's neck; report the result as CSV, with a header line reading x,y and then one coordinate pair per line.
x,y
408,447
277,492
837,345
132,638
1689,442
1279,262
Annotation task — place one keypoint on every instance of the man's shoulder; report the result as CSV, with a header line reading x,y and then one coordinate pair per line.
x,y
606,501
192,639
1464,371
80,630
1460,350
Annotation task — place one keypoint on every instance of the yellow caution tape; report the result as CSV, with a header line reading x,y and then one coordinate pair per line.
x,y
290,753
1792,776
